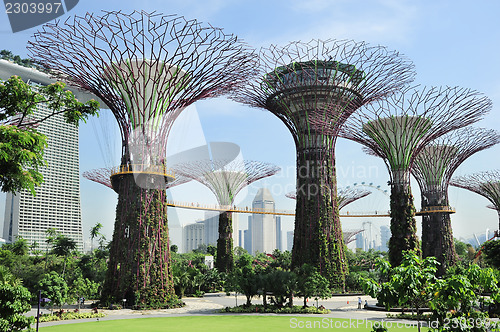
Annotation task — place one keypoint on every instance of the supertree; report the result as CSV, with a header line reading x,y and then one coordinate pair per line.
x,y
333,78
433,168
345,196
147,68
226,179
396,129
486,184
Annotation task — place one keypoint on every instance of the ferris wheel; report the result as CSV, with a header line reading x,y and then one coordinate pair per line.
x,y
377,201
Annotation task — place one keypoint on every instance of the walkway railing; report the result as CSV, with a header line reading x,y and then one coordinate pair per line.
x,y
139,168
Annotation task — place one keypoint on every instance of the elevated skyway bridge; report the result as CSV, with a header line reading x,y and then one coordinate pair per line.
x,y
347,214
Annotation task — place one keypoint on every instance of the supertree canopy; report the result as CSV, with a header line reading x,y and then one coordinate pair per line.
x,y
147,68
486,184
396,129
345,196
433,169
332,78
226,179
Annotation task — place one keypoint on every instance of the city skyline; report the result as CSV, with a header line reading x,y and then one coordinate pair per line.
x,y
451,43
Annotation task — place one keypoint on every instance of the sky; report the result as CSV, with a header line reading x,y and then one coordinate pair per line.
x,y
451,43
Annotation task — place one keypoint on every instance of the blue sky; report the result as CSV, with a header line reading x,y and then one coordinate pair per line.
x,y
454,43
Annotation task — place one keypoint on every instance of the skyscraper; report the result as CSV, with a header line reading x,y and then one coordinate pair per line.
x,y
385,236
193,236
289,240
57,201
211,230
248,236
263,225
278,233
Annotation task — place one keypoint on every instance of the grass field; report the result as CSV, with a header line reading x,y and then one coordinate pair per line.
x,y
224,323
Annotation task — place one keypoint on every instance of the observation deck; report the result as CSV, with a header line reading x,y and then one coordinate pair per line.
x,y
436,209
318,80
145,176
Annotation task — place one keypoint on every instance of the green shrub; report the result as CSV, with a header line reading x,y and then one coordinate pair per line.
x,y
259,308
69,315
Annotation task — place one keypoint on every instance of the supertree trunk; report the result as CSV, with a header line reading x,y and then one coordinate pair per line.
x,y
437,234
403,223
139,267
224,260
318,236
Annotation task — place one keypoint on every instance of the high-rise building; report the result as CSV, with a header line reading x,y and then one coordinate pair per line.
x,y
278,233
57,201
248,236
289,240
210,229
385,235
194,235
263,225
241,240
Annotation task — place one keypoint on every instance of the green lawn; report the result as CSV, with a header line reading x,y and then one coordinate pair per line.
x,y
221,323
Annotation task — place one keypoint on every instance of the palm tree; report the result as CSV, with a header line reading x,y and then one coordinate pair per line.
x,y
63,246
34,248
20,247
50,235
95,232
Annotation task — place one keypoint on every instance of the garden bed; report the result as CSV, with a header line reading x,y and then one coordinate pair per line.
x,y
259,308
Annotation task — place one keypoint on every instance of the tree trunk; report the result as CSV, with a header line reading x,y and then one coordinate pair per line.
x,y
437,234
318,236
224,260
139,264
403,223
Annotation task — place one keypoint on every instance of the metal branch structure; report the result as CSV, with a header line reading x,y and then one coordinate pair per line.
x,y
486,184
226,179
104,175
433,169
345,196
147,68
350,236
396,129
332,78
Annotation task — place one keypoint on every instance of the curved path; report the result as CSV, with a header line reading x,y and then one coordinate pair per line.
x,y
340,307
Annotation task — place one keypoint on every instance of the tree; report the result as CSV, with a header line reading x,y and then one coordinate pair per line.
x,y
312,284
34,248
182,280
54,287
14,302
457,298
83,287
411,284
244,278
21,145
282,285
50,237
95,232
491,251
63,246
174,248
19,247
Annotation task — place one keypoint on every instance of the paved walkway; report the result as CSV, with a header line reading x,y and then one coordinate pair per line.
x,y
340,306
